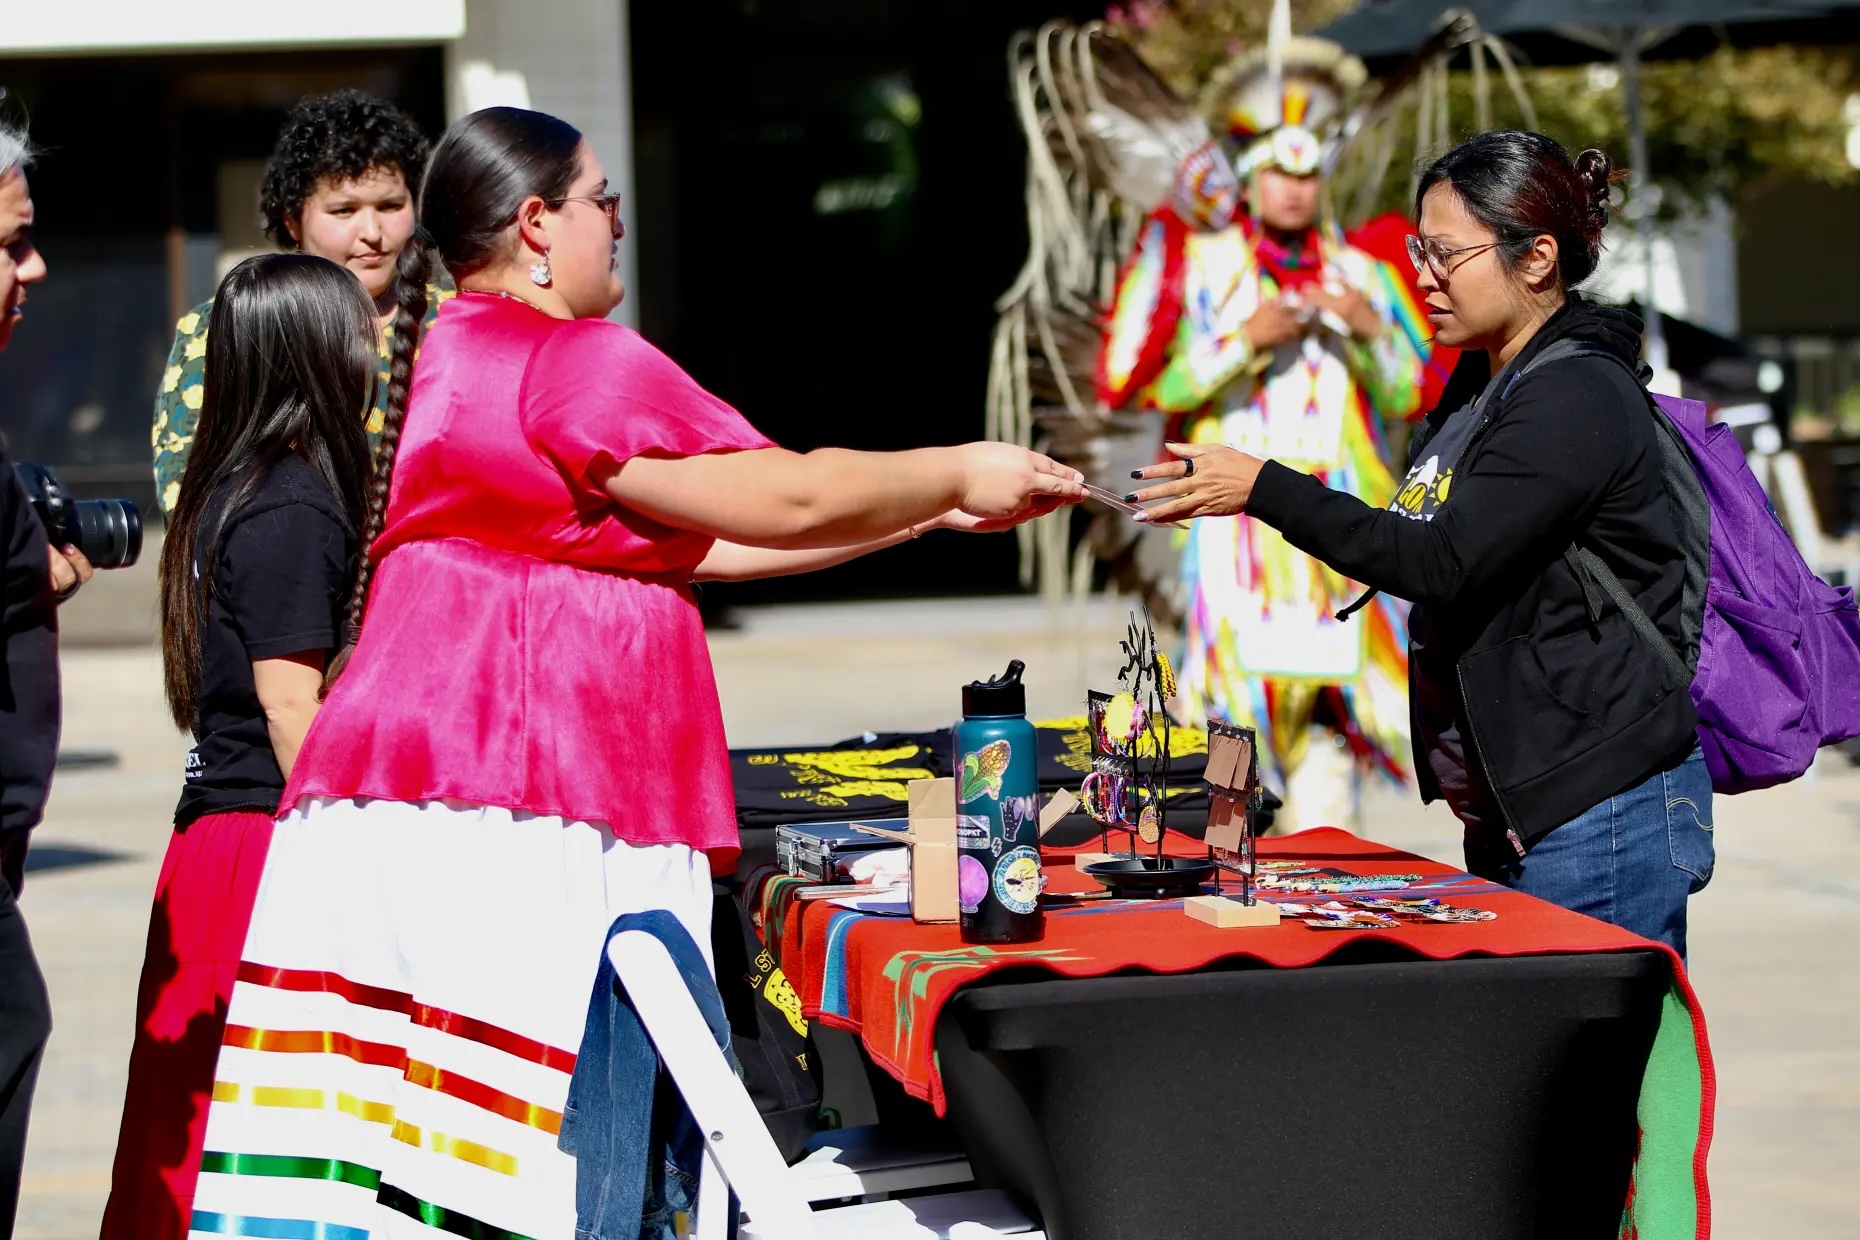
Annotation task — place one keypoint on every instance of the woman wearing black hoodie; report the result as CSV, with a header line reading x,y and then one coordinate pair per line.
x,y
1549,725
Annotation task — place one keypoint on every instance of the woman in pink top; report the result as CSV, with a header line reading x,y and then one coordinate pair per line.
x,y
526,741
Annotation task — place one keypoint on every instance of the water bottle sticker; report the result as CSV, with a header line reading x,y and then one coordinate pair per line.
x,y
1017,813
972,832
983,769
1018,880
971,883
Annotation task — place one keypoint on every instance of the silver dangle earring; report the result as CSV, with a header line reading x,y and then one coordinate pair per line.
x,y
540,274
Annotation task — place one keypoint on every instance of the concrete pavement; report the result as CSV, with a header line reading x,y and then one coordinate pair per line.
x,y
1773,940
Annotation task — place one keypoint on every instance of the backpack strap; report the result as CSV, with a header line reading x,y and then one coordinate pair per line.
x,y
1589,568
1604,577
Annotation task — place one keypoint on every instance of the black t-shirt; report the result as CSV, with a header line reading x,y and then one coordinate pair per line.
x,y
282,573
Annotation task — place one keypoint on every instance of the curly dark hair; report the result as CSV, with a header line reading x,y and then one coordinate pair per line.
x,y
339,136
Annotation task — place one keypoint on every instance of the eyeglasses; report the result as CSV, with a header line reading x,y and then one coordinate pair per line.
x,y
1431,253
609,203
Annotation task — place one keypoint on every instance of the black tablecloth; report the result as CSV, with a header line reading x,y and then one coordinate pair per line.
x,y
1375,1095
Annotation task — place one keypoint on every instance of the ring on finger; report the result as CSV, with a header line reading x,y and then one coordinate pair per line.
x,y
1188,467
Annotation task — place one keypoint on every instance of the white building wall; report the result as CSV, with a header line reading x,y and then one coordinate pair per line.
x,y
90,27
569,58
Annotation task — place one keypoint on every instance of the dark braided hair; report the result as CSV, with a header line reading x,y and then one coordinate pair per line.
x,y
1523,185
482,170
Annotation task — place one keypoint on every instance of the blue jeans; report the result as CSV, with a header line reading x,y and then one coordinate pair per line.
x,y
637,1150
1631,860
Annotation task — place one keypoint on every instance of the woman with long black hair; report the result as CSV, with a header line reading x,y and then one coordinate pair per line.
x,y
256,574
1550,726
526,741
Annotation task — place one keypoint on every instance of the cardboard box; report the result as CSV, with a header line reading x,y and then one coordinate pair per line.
x,y
931,838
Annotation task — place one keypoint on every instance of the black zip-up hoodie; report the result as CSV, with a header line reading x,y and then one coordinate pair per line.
x,y
1562,708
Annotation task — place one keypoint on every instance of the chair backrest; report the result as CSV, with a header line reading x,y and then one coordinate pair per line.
x,y
736,1141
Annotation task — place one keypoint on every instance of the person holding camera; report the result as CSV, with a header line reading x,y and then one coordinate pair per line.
x,y
36,578
340,186
255,575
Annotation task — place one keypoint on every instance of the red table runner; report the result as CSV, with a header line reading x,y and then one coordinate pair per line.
x,y
885,979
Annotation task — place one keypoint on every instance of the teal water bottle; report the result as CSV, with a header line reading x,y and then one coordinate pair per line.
x,y
997,813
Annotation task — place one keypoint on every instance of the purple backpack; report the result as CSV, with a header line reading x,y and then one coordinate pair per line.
x,y
1772,651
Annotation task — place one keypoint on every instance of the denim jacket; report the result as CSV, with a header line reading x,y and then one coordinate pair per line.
x,y
637,1151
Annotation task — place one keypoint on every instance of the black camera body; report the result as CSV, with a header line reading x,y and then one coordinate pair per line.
x,y
107,531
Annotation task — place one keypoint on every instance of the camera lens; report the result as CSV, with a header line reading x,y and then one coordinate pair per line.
x,y
109,531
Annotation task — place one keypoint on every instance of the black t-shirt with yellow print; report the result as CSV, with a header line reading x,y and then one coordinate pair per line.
x,y
1430,479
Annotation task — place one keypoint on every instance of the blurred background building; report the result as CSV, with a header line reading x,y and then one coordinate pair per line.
x,y
823,198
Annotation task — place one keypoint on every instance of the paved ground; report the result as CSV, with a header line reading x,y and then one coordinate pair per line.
x,y
1773,944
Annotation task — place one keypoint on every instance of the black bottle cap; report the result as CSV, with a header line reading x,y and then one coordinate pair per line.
x,y
1004,695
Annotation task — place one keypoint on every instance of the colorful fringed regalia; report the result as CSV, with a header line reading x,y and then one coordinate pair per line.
x,y
1263,645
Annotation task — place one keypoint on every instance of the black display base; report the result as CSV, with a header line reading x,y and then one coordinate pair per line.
x,y
1152,878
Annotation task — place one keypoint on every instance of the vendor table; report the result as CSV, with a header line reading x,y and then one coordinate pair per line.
x,y
1140,1075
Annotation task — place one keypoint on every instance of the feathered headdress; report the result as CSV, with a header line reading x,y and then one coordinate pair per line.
x,y
1283,105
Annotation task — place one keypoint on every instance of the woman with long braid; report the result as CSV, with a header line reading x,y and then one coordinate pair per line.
x,y
526,741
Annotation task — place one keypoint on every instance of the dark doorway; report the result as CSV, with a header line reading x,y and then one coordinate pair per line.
x,y
830,200
141,188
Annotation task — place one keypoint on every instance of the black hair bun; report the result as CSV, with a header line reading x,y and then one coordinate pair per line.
x,y
1596,172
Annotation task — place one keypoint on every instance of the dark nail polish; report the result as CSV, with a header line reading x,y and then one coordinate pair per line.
x,y
1131,498
1136,473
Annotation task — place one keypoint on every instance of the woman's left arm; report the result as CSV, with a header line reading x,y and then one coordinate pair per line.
x,y
288,691
730,561
1541,472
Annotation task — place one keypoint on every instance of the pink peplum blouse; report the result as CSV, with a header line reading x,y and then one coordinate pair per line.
x,y
529,644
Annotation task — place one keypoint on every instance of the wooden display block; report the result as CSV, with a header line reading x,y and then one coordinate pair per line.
x,y
1226,913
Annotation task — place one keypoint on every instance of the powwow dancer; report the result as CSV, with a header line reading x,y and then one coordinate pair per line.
x,y
1275,336
526,741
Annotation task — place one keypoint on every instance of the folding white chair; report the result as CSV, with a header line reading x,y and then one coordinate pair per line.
x,y
740,1155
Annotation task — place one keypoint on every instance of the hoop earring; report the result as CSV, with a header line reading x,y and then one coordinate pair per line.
x,y
540,275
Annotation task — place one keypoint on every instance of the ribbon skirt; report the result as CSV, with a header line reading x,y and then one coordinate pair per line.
x,y
406,1017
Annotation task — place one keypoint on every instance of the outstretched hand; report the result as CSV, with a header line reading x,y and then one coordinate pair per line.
x,y
1209,480
1001,482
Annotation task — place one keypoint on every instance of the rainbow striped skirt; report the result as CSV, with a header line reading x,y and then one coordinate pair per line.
x,y
411,995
